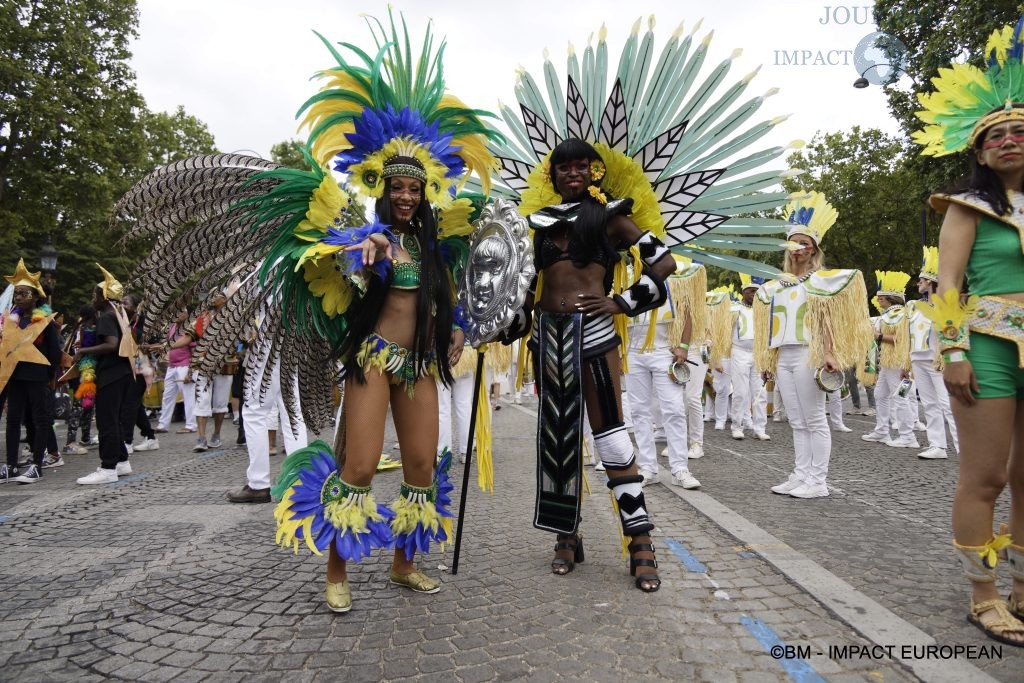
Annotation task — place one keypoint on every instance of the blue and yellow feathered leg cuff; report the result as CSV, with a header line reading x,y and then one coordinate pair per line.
x,y
422,514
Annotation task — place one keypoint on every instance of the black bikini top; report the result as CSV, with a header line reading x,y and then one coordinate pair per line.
x,y
544,221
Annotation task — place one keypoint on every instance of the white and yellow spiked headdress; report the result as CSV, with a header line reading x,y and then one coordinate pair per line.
x,y
930,264
24,278
967,100
749,282
892,283
809,213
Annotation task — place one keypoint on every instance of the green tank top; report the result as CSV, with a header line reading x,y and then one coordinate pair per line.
x,y
407,275
996,264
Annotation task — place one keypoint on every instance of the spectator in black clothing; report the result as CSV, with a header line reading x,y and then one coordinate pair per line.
x,y
29,391
114,381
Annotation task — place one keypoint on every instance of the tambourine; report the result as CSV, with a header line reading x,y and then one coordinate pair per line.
x,y
679,373
829,381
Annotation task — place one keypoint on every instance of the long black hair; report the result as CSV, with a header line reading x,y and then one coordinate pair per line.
x,y
984,182
434,312
589,234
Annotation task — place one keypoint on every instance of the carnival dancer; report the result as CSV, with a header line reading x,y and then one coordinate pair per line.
x,y
30,354
114,352
377,297
695,275
892,334
923,358
615,172
720,308
982,336
749,398
652,379
809,318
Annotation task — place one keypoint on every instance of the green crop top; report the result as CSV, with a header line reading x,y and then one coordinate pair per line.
x,y
407,275
996,263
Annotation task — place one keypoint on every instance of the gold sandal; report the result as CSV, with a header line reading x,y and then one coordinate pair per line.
x,y
417,581
338,596
1016,606
997,629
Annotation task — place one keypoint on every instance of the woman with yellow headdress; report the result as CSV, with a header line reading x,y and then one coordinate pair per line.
x,y
809,318
28,363
982,335
892,334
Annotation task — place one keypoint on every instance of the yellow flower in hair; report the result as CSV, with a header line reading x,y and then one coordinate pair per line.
x,y
596,193
597,170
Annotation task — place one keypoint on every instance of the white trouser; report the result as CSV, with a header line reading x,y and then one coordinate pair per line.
x,y
212,400
694,402
648,384
256,415
835,408
461,395
890,407
805,406
936,404
721,382
749,399
174,381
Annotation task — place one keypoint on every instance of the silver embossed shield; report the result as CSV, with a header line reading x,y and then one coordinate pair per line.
x,y
498,273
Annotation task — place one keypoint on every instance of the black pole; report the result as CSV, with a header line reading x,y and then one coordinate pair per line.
x,y
924,225
469,458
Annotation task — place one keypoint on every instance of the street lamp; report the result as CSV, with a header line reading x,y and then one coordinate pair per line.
x,y
862,82
48,256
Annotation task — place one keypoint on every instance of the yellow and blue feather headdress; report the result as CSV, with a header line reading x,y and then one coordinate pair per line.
x,y
809,213
384,106
967,100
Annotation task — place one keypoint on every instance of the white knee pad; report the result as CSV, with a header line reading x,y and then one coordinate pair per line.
x,y
614,447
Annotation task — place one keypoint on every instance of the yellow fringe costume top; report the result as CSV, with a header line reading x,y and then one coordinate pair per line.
x,y
895,321
827,304
719,327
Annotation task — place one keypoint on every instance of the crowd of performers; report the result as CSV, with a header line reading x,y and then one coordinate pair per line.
x,y
615,206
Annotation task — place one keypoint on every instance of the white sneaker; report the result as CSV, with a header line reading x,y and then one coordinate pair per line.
x,y
147,445
696,451
686,480
868,412
897,443
874,436
778,416
842,428
599,467
761,436
920,426
809,491
719,426
123,468
100,476
933,453
664,452
649,477
128,447
785,487
737,434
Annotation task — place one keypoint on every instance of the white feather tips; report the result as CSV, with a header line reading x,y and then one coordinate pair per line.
x,y
707,39
636,27
796,144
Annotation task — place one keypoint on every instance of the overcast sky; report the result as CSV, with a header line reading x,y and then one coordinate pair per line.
x,y
244,67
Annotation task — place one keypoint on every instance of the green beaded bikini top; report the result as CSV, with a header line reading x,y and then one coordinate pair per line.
x,y
407,273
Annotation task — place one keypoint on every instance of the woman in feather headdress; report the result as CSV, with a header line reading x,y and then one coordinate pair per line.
x,y
377,297
626,167
982,335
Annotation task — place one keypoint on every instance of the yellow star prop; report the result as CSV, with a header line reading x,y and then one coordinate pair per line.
x,y
19,345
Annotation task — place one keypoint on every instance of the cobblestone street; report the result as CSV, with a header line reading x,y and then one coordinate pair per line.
x,y
159,578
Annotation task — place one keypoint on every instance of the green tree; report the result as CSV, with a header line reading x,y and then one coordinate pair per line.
x,y
289,153
75,135
936,33
865,175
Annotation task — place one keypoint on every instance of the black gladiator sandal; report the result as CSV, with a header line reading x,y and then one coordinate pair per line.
x,y
573,542
637,563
